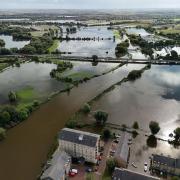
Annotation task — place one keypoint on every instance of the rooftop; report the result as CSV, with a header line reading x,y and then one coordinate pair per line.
x,y
125,174
170,162
79,137
123,147
57,166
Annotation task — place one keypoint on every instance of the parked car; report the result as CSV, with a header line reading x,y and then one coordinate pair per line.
x,y
72,174
74,171
116,141
88,169
145,167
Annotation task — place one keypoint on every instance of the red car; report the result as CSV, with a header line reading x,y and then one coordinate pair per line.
x,y
72,174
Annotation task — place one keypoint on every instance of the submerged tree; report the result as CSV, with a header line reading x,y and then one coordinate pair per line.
x,y
154,127
12,96
135,125
177,135
101,117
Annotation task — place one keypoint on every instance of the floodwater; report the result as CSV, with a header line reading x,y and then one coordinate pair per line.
x,y
153,97
9,43
26,146
35,75
89,48
137,31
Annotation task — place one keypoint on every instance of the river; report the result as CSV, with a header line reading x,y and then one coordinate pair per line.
x,y
26,146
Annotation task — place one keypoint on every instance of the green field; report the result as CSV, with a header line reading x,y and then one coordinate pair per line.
x,y
171,30
26,96
54,46
80,75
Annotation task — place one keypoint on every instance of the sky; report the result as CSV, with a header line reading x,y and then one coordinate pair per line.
x,y
88,4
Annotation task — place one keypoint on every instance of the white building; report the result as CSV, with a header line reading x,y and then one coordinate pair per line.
x,y
80,144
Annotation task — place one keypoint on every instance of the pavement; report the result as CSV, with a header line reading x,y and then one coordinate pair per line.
x,y
102,165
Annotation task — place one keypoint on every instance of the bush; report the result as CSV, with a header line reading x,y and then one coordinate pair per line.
x,y
86,108
2,133
36,103
4,118
71,124
23,114
111,164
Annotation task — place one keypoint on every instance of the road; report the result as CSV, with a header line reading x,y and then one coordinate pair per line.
x,y
100,59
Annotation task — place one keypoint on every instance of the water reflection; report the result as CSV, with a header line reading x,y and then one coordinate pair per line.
x,y
146,99
29,74
102,48
9,43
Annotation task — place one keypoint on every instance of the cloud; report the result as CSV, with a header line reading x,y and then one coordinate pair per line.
x,y
90,4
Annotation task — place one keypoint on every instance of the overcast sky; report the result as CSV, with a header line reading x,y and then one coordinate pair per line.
x,y
88,4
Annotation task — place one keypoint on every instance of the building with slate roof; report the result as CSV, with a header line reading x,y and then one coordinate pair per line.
x,y
123,150
58,168
165,165
126,174
79,144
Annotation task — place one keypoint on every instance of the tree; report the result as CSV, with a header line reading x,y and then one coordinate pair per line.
x,y
106,134
2,43
23,114
174,54
35,58
177,134
86,109
95,57
135,125
101,117
12,96
2,133
111,164
154,127
4,118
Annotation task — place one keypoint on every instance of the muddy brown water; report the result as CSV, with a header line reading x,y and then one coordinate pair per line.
x,y
26,146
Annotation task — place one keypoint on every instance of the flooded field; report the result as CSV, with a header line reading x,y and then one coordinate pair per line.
x,y
36,76
153,97
10,43
99,47
32,139
137,31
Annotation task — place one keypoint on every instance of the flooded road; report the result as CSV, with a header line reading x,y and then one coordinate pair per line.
x,y
26,146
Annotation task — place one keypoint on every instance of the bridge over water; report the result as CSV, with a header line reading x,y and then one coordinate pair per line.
x,y
100,59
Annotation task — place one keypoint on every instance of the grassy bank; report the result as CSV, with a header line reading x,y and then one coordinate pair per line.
x,y
116,34
3,66
54,46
